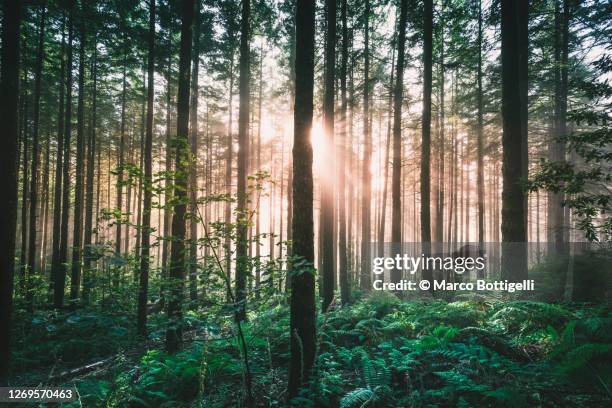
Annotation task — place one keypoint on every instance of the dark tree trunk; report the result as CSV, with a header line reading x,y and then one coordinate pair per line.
x,y
89,183
366,194
193,175
228,176
9,80
480,133
398,92
327,187
77,232
148,176
426,134
63,251
514,18
57,194
302,302
345,295
118,234
242,262
34,170
174,333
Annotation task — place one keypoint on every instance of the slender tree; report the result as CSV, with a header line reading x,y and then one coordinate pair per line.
x,y
327,183
302,301
480,132
148,176
342,246
366,193
426,133
174,332
77,232
242,222
32,235
9,80
60,284
398,92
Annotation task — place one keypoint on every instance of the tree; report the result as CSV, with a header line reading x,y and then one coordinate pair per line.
x,y
342,247
398,91
77,232
302,301
366,194
60,283
426,133
327,187
480,131
9,80
35,154
148,176
174,332
514,16
242,215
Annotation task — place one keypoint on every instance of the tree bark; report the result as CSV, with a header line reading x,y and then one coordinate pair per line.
x,y
514,18
148,177
242,262
426,134
302,301
327,182
366,194
174,332
77,232
9,86
396,177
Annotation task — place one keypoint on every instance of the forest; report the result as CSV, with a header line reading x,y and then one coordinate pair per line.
x,y
199,197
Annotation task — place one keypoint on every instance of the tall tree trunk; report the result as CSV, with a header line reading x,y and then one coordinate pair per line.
x,y
398,93
228,175
366,194
514,16
34,170
480,132
302,302
57,194
9,86
439,232
148,177
193,175
327,183
174,332
63,251
77,232
119,194
89,189
242,212
426,134
345,295
167,185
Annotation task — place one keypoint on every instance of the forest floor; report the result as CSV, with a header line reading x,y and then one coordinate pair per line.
x,y
377,352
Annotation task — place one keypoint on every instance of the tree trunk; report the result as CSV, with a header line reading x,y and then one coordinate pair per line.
x,y
480,131
345,295
63,251
57,194
514,18
77,232
34,170
426,134
148,177
242,262
193,175
366,194
302,302
174,332
326,235
396,177
9,74
228,176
